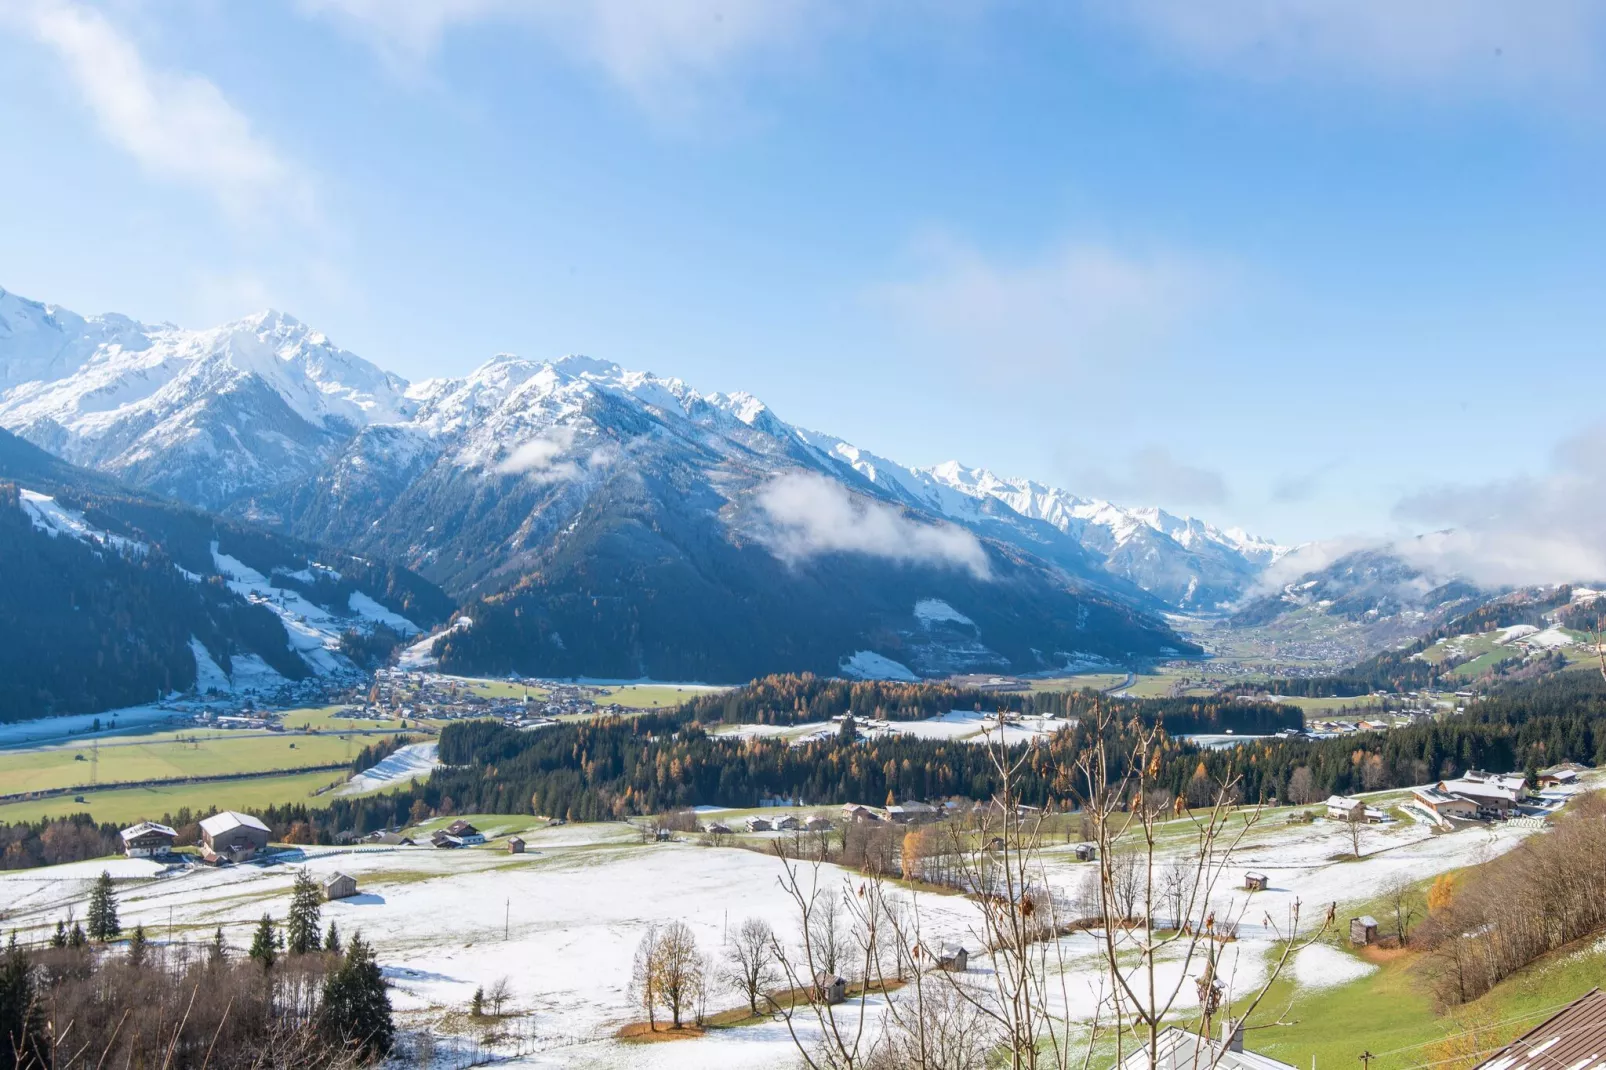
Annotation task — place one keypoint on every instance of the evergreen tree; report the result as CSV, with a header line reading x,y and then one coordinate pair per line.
x,y
331,943
356,1010
103,924
476,1006
137,946
301,928
59,939
219,952
265,943
23,1040
76,939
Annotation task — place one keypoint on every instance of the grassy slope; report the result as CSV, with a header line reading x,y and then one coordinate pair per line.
x,y
127,805
165,755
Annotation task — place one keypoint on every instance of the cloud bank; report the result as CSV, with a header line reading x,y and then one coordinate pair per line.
x,y
548,458
811,515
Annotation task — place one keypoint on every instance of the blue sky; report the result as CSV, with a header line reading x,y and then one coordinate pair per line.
x,y
1317,269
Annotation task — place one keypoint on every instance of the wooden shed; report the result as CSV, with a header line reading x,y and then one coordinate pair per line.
x,y
1363,930
829,988
515,845
340,886
1256,882
1086,852
953,959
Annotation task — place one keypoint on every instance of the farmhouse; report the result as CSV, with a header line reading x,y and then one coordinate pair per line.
x,y
1342,808
232,837
1363,930
859,814
1495,795
717,828
148,839
1182,1049
818,823
911,813
1444,804
759,824
789,823
1575,1036
465,834
340,886
391,839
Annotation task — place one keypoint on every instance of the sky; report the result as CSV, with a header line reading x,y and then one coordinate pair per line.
x,y
1316,269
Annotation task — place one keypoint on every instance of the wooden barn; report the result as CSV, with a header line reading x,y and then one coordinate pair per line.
x,y
340,886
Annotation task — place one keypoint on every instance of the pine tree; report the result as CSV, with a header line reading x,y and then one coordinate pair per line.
x,y
476,1006
301,928
219,952
331,943
76,939
265,943
103,924
137,946
356,1010
59,939
23,1039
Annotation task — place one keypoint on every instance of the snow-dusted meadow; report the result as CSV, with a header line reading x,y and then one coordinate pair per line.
x,y
562,921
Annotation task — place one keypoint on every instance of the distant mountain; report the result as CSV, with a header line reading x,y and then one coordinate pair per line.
x,y
110,597
625,514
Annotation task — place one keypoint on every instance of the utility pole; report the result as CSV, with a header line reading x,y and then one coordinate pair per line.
x,y
507,919
94,762
1366,1059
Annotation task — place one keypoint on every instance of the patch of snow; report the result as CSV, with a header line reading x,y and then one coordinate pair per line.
x,y
209,676
414,760
54,519
1322,966
868,665
366,607
931,611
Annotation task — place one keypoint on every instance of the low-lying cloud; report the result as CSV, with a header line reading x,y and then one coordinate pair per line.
x,y
811,515
1545,528
544,458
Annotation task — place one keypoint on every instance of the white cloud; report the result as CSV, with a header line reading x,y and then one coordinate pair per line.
x,y
1547,528
1154,475
1078,305
178,126
1478,45
813,515
542,458
659,51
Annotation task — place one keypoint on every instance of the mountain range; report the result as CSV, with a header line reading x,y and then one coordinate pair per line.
x,y
596,521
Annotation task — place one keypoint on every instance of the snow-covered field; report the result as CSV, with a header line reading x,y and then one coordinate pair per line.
x,y
413,760
562,921
967,725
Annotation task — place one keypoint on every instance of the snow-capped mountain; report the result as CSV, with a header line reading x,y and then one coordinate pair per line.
x,y
596,498
200,415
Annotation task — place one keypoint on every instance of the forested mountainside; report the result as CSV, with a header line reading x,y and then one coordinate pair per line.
x,y
110,598
1375,587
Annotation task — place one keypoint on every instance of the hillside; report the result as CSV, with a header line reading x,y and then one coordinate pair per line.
x,y
153,597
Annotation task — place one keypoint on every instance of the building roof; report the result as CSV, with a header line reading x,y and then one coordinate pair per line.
x,y
1436,797
1574,1038
229,820
1474,788
145,828
1366,920
1182,1050
339,877
1343,802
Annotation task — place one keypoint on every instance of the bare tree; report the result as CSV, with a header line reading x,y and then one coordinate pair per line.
x,y
498,995
678,970
1301,787
1353,824
750,966
644,977
1406,902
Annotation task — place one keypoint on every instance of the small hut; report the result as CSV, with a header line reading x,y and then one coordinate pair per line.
x,y
1086,852
829,988
340,886
1255,882
515,845
953,959
1363,930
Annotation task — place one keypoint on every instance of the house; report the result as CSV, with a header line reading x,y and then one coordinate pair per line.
x,y
1183,1049
1494,794
1342,808
717,828
789,823
1444,804
1574,1036
391,839
1363,930
232,837
1560,776
911,813
818,823
829,988
953,959
759,824
465,834
515,845
340,886
1086,852
859,815
442,840
1256,882
148,839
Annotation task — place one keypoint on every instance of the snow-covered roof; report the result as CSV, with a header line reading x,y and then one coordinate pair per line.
x,y
218,824
145,828
1182,1050
1481,789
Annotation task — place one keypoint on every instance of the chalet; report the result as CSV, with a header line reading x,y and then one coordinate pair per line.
x,y
859,815
465,834
391,839
1342,808
340,886
232,837
148,839
818,823
789,823
442,840
1183,1049
759,824
911,813
1573,1037
829,988
717,828
1494,794
1363,930
1561,776
515,845
1443,804
953,959
1256,882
